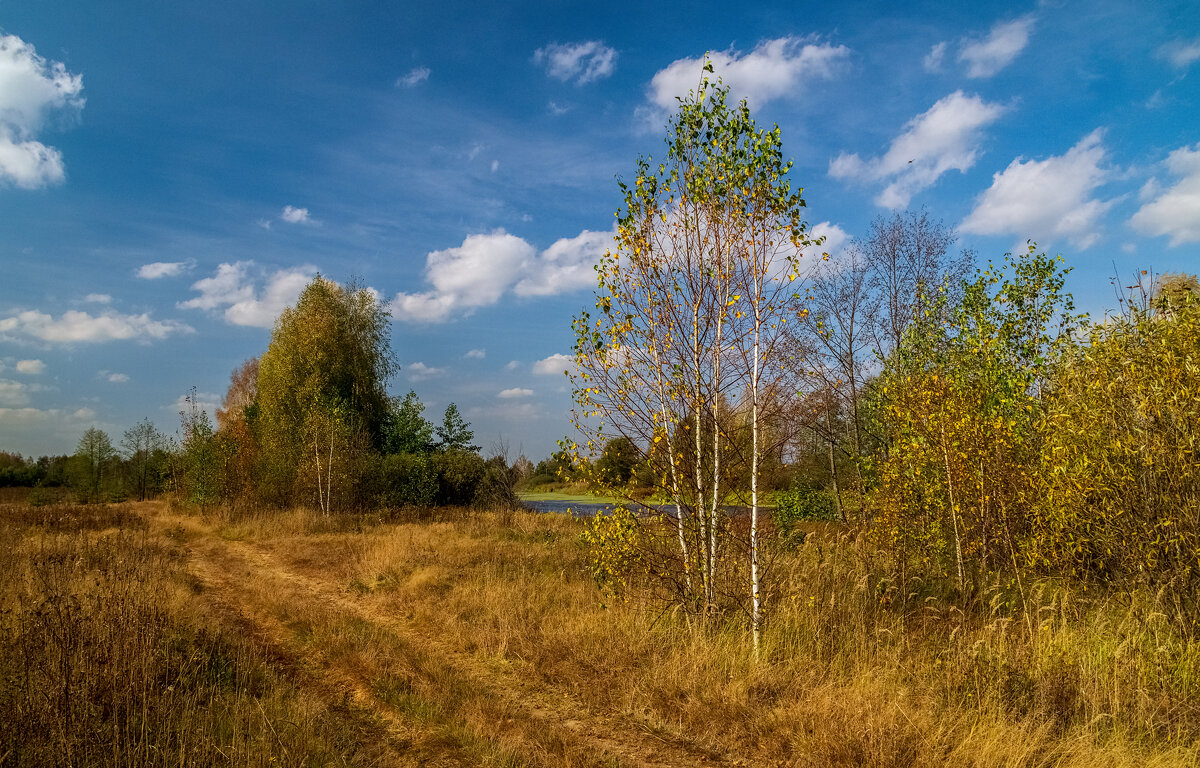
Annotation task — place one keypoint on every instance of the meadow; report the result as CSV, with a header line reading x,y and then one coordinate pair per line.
x,y
150,634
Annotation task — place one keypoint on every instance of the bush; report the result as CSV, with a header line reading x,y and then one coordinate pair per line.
x,y
407,479
459,474
497,487
802,502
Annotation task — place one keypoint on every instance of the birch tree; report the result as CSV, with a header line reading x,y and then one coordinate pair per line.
x,y
689,308
321,389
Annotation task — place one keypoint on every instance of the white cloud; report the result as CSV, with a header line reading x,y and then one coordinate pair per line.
x,y
582,62
944,138
420,372
556,364
775,68
566,266
75,326
1181,53
495,165
512,365
988,56
1046,198
475,354
31,367
11,417
515,392
235,288
415,76
1176,211
114,378
31,88
475,274
836,239
98,298
160,269
933,59
13,393
486,267
293,215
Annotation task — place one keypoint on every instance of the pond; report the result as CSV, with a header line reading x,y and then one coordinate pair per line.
x,y
589,509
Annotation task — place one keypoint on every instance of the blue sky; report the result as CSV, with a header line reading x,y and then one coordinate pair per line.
x,y
171,174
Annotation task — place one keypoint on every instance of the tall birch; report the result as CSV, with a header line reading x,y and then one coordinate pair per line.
x,y
690,306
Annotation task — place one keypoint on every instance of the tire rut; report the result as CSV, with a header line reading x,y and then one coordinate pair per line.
x,y
562,730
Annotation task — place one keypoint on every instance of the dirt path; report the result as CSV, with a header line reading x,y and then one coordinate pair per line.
x,y
411,692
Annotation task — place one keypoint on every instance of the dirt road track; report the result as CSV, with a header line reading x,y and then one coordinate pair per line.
x,y
281,609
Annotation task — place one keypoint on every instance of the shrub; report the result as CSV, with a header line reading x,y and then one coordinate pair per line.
x,y
407,479
802,502
459,474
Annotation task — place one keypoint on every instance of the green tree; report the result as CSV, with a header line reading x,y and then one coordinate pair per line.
x,y
407,430
143,446
616,464
200,472
454,433
93,465
321,388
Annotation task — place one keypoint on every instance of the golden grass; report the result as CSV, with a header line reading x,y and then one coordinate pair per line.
x,y
479,638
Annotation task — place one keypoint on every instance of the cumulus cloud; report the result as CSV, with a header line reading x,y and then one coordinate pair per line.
x,y
159,269
98,298
582,62
556,364
475,354
487,266
75,326
1174,212
566,266
415,76
512,365
515,392
1046,198
31,367
1181,54
114,378
944,138
31,89
420,372
293,215
993,53
775,68
235,290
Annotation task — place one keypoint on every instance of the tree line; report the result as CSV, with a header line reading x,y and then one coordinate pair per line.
x,y
310,422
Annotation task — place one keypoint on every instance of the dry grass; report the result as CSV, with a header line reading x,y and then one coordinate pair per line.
x,y
479,639
108,658
849,679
